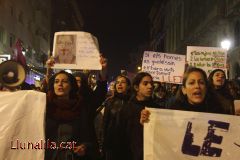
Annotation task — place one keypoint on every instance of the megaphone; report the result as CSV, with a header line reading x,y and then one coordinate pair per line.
x,y
12,74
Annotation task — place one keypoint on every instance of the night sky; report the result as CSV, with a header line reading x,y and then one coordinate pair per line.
x,y
119,26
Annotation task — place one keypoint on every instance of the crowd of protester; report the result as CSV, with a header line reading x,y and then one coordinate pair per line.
x,y
106,118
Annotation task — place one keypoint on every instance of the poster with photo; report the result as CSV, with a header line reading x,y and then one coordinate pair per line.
x,y
76,50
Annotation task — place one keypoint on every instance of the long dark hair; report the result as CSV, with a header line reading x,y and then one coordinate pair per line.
x,y
210,78
84,90
128,84
137,80
73,83
180,97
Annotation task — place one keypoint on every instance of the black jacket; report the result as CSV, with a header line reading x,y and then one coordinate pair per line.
x,y
115,142
134,129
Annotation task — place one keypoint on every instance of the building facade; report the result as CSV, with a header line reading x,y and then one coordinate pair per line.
x,y
177,24
29,21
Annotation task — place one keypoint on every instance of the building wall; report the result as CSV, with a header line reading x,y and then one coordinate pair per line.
x,y
196,23
28,20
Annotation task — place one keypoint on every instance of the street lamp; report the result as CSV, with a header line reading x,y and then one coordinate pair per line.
x,y
139,68
225,44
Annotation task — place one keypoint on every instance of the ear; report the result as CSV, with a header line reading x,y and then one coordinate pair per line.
x,y
184,90
136,88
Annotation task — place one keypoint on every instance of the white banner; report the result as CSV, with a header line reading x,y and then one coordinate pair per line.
x,y
76,50
22,115
207,58
181,135
164,67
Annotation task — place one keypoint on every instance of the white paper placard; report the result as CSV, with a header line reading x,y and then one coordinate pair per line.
x,y
181,135
164,67
76,50
207,58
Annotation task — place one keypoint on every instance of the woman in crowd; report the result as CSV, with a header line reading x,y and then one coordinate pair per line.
x,y
160,96
194,95
114,141
218,83
67,120
234,89
142,97
88,99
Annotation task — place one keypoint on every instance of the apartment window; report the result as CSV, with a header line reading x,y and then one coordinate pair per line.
x,y
1,34
11,10
12,39
237,34
45,36
29,25
20,17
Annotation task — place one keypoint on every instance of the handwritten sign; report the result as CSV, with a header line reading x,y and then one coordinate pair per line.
x,y
207,58
164,67
182,135
76,50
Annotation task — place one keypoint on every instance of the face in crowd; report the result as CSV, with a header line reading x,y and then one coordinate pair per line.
x,y
65,44
143,86
62,85
121,85
195,86
79,80
219,79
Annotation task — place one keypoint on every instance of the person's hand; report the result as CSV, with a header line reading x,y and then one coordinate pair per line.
x,y
80,150
50,62
103,61
144,116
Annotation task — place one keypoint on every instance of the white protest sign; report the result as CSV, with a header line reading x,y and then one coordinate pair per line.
x,y
207,58
22,116
76,50
182,135
164,67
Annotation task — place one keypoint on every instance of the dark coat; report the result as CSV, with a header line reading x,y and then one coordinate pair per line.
x,y
223,96
213,103
68,120
94,99
115,142
134,129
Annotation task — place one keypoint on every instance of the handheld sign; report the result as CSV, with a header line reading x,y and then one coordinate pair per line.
x,y
207,58
181,135
164,67
76,50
